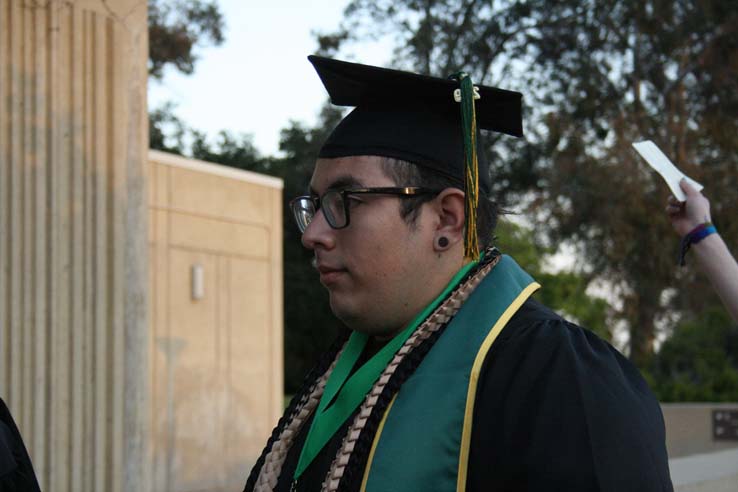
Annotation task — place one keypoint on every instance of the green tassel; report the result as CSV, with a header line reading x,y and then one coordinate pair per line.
x,y
471,181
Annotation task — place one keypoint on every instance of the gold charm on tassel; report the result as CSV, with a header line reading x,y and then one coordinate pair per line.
x,y
466,95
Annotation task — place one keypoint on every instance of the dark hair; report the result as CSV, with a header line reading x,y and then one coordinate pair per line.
x,y
405,173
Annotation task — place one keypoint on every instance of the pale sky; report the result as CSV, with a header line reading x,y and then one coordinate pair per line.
x,y
259,78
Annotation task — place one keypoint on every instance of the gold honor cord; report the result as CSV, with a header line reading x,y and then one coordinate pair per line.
x,y
471,172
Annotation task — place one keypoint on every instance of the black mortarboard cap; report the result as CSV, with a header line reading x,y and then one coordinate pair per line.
x,y
409,116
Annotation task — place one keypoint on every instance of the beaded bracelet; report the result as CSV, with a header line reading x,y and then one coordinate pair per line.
x,y
693,237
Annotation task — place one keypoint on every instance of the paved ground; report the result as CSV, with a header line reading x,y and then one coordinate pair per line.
x,y
711,472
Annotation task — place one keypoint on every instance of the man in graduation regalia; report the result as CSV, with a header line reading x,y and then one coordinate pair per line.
x,y
451,376
16,469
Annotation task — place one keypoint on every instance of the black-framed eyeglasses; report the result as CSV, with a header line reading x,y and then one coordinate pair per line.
x,y
335,204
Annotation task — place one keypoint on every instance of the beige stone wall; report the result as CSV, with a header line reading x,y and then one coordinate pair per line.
x,y
216,379
689,428
73,254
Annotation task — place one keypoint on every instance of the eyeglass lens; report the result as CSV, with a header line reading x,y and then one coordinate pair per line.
x,y
303,210
333,208
332,205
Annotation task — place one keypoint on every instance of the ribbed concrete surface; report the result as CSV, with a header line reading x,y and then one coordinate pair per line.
x,y
73,241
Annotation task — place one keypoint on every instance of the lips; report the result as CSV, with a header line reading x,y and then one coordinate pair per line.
x,y
329,274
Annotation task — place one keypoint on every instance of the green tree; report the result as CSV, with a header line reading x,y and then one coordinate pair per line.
x,y
564,291
229,150
699,362
176,29
617,72
166,131
597,75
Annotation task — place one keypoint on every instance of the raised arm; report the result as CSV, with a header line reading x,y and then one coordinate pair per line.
x,y
711,252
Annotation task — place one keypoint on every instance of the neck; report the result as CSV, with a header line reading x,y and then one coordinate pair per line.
x,y
436,279
375,344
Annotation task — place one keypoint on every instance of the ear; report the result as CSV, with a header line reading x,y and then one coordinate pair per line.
x,y
450,210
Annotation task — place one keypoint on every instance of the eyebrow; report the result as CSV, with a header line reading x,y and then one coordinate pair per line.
x,y
341,182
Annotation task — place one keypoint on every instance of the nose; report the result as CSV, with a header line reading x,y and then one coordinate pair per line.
x,y
319,234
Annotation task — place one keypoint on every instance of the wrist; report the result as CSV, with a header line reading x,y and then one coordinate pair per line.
x,y
694,236
689,226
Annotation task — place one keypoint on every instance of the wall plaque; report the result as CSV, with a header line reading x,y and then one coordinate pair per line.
x,y
725,425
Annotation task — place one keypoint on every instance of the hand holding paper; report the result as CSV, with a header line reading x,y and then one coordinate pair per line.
x,y
657,160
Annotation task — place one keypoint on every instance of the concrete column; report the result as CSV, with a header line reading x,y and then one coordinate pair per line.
x,y
73,238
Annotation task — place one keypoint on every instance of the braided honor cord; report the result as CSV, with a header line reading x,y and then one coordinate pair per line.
x,y
274,459
439,319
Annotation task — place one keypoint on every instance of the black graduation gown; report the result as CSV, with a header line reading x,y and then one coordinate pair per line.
x,y
16,471
557,408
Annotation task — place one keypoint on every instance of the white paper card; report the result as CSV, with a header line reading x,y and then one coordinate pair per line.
x,y
657,160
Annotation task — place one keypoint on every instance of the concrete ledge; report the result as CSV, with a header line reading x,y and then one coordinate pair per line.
x,y
217,169
689,429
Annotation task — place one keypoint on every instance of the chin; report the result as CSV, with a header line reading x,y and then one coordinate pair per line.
x,y
344,312
358,320
348,313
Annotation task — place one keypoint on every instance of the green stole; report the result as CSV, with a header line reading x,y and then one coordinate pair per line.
x,y
344,392
423,440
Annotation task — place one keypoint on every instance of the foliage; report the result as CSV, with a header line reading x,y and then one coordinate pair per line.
x,y
621,72
166,131
597,75
176,27
699,362
229,150
564,291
